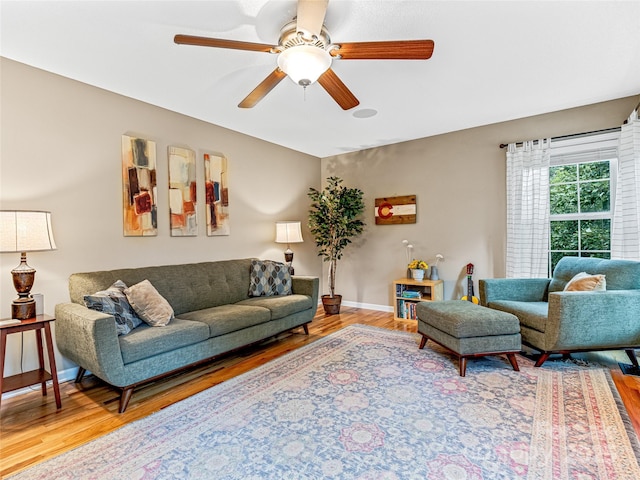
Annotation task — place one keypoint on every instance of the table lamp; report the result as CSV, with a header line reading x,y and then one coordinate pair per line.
x,y
288,232
25,231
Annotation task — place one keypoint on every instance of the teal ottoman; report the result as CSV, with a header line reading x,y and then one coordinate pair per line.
x,y
469,330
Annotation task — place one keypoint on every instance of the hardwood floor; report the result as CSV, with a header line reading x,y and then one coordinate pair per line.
x,y
32,430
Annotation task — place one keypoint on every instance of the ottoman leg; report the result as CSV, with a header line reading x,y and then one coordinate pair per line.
x,y
463,366
423,342
513,361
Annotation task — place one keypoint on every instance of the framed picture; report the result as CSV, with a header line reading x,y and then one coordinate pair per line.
x,y
139,190
395,210
182,192
217,193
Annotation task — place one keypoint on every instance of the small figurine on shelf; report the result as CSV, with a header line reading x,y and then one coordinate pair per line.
x,y
434,268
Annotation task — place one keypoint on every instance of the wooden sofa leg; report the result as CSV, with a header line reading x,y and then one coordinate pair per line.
x,y
80,374
423,342
306,329
125,396
513,361
463,366
543,358
632,356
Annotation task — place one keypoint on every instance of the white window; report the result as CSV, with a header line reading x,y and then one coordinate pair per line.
x,y
582,177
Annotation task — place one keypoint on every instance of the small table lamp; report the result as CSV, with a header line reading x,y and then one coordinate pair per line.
x,y
288,232
25,231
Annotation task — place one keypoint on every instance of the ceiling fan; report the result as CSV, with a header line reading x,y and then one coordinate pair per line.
x,y
305,54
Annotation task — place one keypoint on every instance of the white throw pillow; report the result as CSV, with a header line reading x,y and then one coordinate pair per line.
x,y
150,306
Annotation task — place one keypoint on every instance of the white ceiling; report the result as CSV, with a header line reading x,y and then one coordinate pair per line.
x,y
493,61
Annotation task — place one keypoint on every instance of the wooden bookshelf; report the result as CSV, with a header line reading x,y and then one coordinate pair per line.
x,y
404,304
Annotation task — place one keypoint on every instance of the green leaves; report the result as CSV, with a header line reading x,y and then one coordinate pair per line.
x,y
334,219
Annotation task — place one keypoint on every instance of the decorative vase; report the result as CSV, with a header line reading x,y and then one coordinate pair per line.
x,y
417,274
434,273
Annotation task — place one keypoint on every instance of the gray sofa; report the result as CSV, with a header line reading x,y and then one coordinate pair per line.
x,y
556,321
213,315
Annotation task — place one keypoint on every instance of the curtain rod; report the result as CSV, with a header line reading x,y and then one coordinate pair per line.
x,y
575,135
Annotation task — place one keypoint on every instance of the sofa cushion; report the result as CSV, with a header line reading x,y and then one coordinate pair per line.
x,y
269,278
621,274
280,306
187,287
152,307
229,318
113,301
530,314
146,341
583,282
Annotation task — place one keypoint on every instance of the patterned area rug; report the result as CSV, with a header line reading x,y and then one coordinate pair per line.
x,y
364,403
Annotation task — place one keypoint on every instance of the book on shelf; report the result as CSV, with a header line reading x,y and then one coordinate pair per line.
x,y
411,294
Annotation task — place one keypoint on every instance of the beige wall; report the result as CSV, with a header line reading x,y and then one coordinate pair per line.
x,y
459,180
60,151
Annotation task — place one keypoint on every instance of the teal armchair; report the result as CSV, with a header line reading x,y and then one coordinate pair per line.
x,y
556,321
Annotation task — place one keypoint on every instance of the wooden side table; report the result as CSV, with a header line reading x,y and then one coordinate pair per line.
x,y
40,375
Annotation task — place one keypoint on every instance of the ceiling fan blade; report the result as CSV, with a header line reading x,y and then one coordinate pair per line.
x,y
222,43
338,90
391,50
310,17
261,90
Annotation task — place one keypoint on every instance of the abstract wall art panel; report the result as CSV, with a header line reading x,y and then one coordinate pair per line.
x,y
139,187
182,192
217,193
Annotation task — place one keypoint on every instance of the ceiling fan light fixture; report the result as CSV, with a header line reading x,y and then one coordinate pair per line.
x,y
304,63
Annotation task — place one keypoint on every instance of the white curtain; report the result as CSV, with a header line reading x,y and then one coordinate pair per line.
x,y
625,236
528,209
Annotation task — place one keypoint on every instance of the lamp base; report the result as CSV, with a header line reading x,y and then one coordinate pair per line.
x,y
23,308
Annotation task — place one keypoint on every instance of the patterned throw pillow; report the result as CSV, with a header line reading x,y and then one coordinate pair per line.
x,y
152,307
113,301
583,282
269,278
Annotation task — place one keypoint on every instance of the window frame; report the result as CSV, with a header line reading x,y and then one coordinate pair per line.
x,y
586,148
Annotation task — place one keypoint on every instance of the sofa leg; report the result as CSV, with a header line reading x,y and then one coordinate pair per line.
x,y
543,358
513,361
463,366
423,342
306,329
80,374
632,356
125,396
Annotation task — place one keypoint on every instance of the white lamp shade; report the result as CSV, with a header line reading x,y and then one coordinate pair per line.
x,y
288,232
304,63
25,231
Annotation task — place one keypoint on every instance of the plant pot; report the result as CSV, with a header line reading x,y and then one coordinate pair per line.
x,y
417,274
331,305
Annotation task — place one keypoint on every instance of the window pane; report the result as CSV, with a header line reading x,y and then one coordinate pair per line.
x,y
594,196
594,170
564,235
563,198
596,234
563,173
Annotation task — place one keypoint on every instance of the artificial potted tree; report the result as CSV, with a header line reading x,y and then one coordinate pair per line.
x,y
334,219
